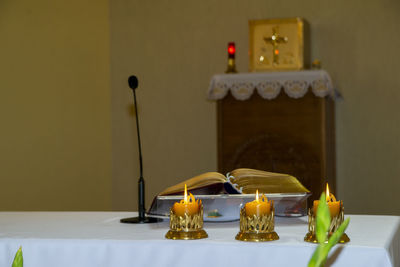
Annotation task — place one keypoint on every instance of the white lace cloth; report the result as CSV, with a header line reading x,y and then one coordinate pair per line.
x,y
269,84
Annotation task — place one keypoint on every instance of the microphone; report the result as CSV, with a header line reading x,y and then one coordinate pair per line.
x,y
133,84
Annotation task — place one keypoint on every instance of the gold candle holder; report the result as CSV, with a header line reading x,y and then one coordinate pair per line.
x,y
336,221
257,228
186,227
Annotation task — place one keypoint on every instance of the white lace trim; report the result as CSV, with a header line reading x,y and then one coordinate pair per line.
x,y
268,85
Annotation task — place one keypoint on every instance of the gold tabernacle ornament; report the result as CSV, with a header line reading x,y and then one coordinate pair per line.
x,y
336,221
257,228
275,40
186,227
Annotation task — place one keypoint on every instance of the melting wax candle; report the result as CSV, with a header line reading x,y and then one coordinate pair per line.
x,y
334,206
258,206
188,205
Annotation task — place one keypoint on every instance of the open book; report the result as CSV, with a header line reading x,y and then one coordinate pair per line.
x,y
239,181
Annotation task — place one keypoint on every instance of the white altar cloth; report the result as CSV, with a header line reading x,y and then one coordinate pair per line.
x,y
269,84
84,239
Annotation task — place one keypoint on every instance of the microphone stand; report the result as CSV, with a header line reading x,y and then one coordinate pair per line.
x,y
142,218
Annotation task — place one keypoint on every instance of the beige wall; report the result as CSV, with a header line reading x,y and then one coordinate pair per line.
x,y
60,151
174,47
55,137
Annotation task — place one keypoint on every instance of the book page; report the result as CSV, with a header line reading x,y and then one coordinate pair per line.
x,y
201,180
249,180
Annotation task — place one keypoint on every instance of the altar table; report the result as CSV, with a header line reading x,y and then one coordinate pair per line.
x,y
84,239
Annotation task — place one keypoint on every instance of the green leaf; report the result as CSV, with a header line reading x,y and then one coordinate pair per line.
x,y
324,249
317,257
335,237
18,259
323,219
320,254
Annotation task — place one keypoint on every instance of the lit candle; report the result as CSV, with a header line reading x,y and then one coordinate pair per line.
x,y
188,205
334,206
258,206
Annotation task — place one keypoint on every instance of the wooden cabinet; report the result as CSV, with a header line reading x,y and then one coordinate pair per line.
x,y
285,135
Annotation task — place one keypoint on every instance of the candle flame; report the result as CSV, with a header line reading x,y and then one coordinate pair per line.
x,y
327,192
257,195
185,198
329,196
189,198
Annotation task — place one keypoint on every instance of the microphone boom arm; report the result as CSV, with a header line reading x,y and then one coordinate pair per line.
x,y
141,195
133,84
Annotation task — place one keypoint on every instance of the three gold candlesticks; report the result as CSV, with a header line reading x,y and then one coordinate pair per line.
x,y
257,220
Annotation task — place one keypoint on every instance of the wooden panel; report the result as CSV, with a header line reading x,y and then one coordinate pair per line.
x,y
286,135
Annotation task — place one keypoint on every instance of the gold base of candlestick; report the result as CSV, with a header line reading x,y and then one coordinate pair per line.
x,y
257,237
183,235
313,239
186,227
257,228
335,223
